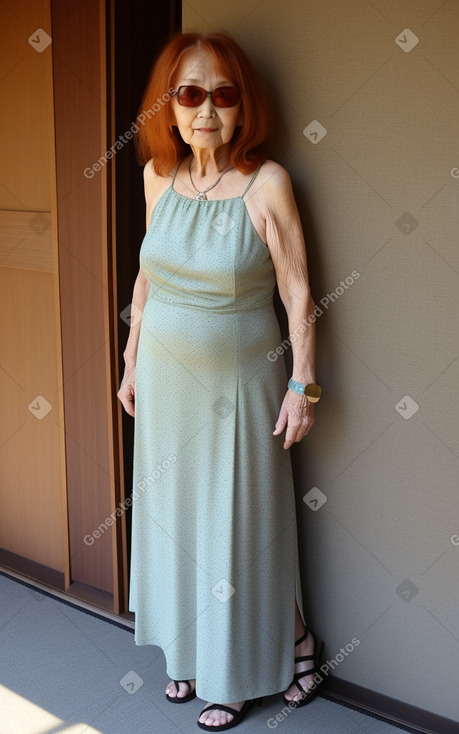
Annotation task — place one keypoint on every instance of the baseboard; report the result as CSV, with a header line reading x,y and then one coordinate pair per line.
x,y
96,597
49,577
392,711
76,602
32,569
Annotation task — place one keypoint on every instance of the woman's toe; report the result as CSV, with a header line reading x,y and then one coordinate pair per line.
x,y
292,695
184,690
215,717
205,717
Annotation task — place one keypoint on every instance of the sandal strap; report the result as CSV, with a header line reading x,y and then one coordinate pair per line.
x,y
304,674
177,687
298,676
302,658
303,637
300,687
221,707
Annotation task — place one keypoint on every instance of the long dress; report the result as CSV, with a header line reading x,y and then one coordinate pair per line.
x,y
214,559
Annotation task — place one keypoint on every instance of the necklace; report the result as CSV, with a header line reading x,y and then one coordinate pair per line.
x,y
202,195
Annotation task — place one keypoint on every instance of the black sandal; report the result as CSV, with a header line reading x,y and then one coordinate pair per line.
x,y
182,699
306,696
238,715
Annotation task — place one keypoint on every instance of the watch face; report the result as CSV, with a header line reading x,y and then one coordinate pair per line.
x,y
313,393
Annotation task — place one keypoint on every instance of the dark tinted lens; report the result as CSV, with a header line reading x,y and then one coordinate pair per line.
x,y
225,96
191,96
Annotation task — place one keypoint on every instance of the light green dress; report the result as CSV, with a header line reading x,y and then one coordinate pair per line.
x,y
214,564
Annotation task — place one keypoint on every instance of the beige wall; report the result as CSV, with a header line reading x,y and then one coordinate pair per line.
x,y
390,153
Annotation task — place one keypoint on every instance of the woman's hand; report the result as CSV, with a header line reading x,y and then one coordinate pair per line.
x,y
126,393
297,414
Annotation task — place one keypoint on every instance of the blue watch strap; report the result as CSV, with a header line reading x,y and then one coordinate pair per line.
x,y
296,386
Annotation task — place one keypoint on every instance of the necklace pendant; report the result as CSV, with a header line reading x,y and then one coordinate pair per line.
x,y
201,196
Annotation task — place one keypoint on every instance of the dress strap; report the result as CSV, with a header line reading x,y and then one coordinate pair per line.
x,y
175,174
251,181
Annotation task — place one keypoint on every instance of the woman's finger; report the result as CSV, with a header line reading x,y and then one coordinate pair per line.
x,y
299,425
129,405
281,421
297,416
294,427
126,395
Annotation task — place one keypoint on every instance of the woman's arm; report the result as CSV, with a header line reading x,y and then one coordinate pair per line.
x,y
139,299
126,393
285,240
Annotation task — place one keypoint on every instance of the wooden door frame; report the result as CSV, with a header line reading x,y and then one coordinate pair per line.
x,y
139,29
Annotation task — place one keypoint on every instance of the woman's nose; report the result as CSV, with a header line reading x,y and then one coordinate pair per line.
x,y
207,108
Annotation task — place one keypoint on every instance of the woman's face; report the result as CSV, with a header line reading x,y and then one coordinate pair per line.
x,y
205,126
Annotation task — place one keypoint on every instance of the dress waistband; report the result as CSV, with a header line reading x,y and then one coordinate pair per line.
x,y
208,309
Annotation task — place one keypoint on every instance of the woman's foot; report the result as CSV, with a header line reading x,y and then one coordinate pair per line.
x,y
183,691
215,717
306,647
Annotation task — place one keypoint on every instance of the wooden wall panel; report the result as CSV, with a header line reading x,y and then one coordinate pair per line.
x,y
79,62
26,92
30,477
33,517
26,240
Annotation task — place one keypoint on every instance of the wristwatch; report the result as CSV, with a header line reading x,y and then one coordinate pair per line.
x,y
311,391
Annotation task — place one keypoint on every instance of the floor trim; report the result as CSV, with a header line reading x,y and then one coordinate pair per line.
x,y
84,606
26,567
387,709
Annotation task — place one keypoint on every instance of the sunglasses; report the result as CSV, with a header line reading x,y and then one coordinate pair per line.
x,y
191,96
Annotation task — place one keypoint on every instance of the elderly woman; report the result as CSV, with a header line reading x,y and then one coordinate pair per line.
x,y
214,570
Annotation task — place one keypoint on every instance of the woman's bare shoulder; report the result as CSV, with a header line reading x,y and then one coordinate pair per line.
x,y
273,172
273,185
151,178
154,184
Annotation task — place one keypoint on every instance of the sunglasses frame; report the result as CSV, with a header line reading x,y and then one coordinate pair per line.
x,y
208,94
